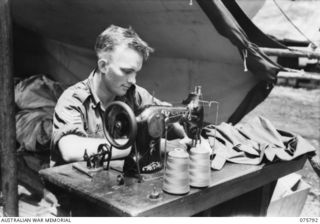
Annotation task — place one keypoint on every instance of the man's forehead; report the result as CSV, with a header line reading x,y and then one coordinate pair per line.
x,y
127,57
124,48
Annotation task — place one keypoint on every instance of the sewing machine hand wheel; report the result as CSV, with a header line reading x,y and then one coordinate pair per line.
x,y
120,125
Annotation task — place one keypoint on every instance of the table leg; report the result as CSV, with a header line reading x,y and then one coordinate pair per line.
x,y
253,203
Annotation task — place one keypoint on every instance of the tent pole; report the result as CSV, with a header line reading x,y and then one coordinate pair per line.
x,y
9,181
290,52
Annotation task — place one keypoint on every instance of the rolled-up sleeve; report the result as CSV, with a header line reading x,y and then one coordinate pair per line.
x,y
68,118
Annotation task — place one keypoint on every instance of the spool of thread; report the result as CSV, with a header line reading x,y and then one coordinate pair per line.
x,y
176,175
199,167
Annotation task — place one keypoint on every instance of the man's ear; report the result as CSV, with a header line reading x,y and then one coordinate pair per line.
x,y
103,65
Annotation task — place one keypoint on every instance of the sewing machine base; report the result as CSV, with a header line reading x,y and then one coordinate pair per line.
x,y
115,169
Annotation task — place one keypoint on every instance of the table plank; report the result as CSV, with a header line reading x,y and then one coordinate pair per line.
x,y
131,199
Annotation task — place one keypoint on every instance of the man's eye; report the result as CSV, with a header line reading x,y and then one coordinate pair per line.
x,y
127,71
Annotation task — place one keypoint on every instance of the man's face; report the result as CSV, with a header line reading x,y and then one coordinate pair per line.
x,y
121,70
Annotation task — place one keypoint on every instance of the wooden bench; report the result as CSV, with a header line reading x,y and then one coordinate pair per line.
x,y
237,189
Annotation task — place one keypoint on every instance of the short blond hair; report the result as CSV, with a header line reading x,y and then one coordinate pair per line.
x,y
115,36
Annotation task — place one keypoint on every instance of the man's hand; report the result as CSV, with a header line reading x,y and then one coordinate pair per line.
x,y
203,143
186,141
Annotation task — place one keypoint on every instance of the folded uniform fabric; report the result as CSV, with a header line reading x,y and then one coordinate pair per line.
x,y
221,146
35,97
251,142
279,147
231,145
33,128
262,131
37,91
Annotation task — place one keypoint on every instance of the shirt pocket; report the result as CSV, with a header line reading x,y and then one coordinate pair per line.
x,y
96,131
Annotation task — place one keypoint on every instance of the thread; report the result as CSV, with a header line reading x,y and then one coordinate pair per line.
x,y
199,167
176,174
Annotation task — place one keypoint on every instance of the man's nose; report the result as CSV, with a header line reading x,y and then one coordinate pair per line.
x,y
132,78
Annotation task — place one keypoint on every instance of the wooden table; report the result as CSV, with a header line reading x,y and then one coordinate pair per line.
x,y
102,196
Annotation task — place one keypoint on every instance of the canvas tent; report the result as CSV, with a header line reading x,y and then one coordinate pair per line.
x,y
207,43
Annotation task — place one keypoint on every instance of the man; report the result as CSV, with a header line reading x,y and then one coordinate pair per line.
x,y
77,122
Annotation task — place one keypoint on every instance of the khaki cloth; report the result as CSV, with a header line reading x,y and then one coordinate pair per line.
x,y
252,142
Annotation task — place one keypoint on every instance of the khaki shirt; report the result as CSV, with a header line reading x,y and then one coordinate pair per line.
x,y
78,111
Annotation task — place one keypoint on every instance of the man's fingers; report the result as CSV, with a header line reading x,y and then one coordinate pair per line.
x,y
185,141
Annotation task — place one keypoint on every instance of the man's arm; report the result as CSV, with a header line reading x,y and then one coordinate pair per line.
x,y
69,137
72,148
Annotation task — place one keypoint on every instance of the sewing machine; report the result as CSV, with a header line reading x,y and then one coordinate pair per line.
x,y
144,130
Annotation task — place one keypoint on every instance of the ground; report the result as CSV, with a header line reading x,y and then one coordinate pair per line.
x,y
298,111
